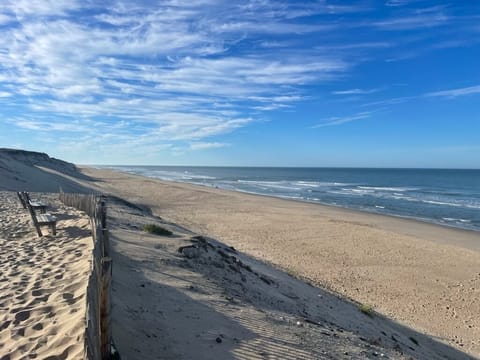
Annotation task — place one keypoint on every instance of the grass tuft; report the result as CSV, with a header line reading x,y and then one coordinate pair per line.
x,y
367,309
157,230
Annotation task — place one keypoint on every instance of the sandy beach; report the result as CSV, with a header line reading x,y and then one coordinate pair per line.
x,y
239,180
42,282
236,276
421,275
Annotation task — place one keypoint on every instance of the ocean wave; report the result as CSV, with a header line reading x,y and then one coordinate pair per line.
x,y
456,220
173,176
281,185
386,188
434,201
403,197
454,204
320,183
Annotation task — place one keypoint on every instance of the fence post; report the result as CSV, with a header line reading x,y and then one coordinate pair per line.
x,y
106,243
101,344
105,308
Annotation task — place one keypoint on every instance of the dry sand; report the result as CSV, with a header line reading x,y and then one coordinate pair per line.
x,y
189,297
42,282
424,276
186,296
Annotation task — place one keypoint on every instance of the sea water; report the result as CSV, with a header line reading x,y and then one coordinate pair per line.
x,y
443,196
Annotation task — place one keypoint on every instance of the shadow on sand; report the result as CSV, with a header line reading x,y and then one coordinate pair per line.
x,y
168,307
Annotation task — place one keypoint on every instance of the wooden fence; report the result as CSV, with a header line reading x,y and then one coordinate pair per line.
x,y
98,339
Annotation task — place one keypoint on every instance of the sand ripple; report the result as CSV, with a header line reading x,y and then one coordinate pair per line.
x,y
42,283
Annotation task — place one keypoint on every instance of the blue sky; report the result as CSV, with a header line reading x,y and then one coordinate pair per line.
x,y
391,83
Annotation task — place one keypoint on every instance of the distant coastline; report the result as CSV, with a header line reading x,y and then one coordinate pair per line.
x,y
446,197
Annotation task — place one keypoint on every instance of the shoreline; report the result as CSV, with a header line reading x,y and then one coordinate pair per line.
x,y
467,238
423,275
303,200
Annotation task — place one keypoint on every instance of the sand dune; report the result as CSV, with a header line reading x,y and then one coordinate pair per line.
x,y
32,171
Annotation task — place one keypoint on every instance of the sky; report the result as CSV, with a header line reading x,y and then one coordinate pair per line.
x,y
365,83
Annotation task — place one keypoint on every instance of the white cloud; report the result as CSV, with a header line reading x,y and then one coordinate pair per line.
x,y
152,66
412,22
271,107
401,2
453,93
342,120
40,8
5,19
355,92
152,73
207,145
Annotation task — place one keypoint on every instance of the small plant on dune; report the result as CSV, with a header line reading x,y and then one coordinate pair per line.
x,y
367,309
157,230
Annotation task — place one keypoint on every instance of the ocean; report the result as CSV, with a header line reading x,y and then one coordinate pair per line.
x,y
447,197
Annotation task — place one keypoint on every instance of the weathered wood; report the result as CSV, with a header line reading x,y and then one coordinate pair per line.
x,y
42,220
35,204
103,213
22,200
98,340
47,219
106,242
105,308
34,220
38,206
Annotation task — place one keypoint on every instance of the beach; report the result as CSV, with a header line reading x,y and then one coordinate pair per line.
x,y
230,275
43,281
422,275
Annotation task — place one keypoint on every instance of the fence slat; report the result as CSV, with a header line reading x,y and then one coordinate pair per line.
x,y
105,307
98,338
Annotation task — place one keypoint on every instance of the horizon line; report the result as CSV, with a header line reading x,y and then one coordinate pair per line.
x,y
290,167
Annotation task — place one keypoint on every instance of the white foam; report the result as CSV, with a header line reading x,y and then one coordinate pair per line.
x,y
317,184
456,220
282,185
382,188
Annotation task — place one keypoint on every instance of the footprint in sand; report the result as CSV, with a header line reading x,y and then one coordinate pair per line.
x,y
21,297
38,292
21,316
39,300
5,325
69,298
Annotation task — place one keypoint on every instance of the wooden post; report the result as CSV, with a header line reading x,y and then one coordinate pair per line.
x,y
105,308
106,243
103,212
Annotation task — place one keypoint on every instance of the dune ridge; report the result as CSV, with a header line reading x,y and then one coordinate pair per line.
x,y
22,170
